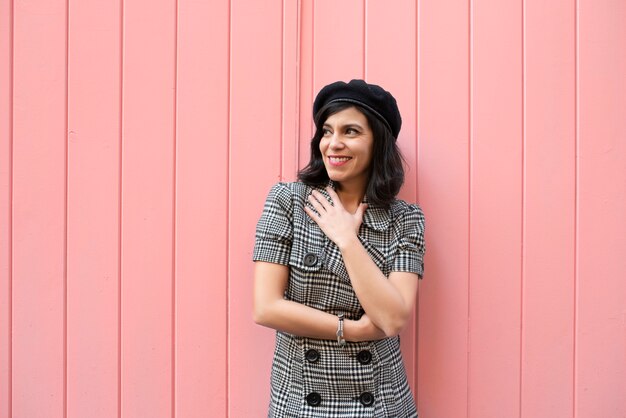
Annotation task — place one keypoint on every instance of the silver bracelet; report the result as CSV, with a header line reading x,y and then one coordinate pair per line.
x,y
340,339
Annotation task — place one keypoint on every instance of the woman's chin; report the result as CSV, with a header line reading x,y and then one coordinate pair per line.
x,y
337,178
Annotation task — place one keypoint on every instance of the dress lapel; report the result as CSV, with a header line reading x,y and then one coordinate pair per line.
x,y
376,217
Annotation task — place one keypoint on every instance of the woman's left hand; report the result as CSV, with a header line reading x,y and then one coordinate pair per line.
x,y
339,225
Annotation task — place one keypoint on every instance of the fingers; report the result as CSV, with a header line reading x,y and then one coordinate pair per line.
x,y
360,211
315,216
333,194
334,197
318,201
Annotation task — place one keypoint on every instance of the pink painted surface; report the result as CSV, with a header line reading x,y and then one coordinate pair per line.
x,y
443,181
600,307
290,114
549,191
201,229
6,178
495,209
147,244
93,209
306,90
139,140
39,199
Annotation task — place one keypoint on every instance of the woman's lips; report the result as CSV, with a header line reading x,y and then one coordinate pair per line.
x,y
337,161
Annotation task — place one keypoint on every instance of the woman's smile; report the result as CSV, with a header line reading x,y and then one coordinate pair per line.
x,y
337,160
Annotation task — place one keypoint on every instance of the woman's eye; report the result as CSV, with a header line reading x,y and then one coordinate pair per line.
x,y
326,132
351,131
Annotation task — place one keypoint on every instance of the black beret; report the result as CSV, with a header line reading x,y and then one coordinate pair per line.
x,y
370,96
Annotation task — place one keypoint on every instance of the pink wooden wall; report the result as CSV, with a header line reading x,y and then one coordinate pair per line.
x,y
139,139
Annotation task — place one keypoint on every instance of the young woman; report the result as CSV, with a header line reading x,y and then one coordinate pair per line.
x,y
337,262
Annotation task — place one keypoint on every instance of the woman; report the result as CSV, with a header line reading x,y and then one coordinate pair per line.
x,y
337,262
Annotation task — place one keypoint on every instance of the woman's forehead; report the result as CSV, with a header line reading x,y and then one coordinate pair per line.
x,y
350,115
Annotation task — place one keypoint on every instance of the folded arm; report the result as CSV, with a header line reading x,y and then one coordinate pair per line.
x,y
388,301
272,310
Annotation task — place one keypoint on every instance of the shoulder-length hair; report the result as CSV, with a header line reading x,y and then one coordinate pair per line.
x,y
386,173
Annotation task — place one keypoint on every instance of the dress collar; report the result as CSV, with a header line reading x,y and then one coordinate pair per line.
x,y
376,217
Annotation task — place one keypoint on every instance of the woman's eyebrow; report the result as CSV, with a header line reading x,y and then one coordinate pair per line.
x,y
346,125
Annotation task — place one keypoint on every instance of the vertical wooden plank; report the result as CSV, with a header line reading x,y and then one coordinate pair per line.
x,y
255,126
338,46
6,180
385,49
306,89
495,209
549,205
201,208
148,92
600,363
443,96
39,178
290,88
94,58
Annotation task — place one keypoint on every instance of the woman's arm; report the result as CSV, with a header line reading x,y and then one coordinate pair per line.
x,y
388,302
273,311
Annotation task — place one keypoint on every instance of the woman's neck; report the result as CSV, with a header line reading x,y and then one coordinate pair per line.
x,y
351,197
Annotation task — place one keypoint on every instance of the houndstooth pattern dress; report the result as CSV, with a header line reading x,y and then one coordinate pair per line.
x,y
317,378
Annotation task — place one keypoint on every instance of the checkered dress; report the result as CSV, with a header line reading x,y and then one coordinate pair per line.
x,y
317,378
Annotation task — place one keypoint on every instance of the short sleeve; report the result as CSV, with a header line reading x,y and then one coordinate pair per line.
x,y
411,245
274,231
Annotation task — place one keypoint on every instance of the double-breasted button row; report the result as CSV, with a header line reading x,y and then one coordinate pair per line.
x,y
310,259
312,356
315,399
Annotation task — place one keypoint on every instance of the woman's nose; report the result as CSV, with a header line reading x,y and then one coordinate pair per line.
x,y
336,141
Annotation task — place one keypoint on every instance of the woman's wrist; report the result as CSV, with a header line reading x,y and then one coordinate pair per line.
x,y
348,242
352,330
361,330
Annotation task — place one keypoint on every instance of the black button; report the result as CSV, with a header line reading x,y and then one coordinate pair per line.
x,y
310,259
314,399
312,355
366,398
364,357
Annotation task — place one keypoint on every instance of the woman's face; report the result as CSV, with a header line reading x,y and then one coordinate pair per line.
x,y
346,147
